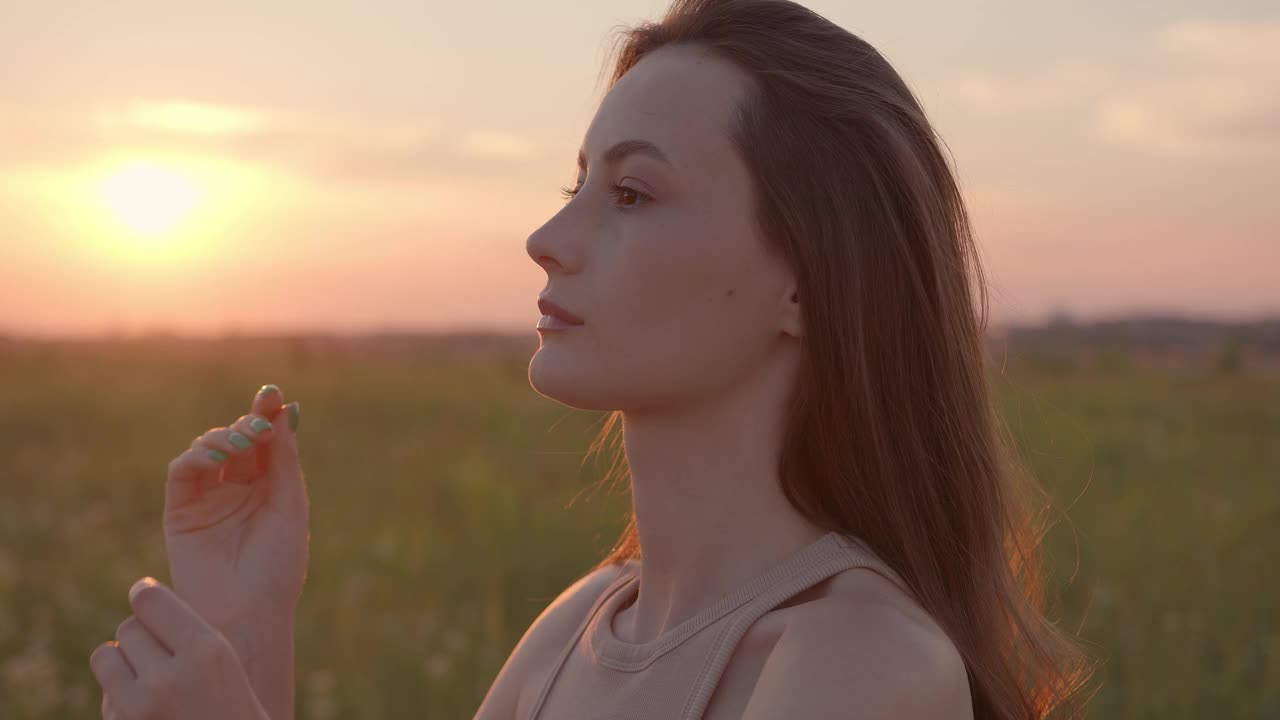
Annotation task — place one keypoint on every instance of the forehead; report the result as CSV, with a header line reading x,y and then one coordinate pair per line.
x,y
681,98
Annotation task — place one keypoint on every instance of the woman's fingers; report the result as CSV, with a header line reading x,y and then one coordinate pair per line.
x,y
237,447
236,454
247,463
111,668
190,474
278,454
145,653
220,454
268,402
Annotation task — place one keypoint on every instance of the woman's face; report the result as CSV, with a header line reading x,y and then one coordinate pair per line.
x,y
671,277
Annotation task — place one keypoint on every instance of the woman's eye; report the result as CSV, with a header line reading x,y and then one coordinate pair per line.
x,y
615,190
618,191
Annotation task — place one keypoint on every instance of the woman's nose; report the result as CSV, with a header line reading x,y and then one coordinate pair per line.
x,y
552,247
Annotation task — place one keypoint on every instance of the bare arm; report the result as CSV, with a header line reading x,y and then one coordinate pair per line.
x,y
267,653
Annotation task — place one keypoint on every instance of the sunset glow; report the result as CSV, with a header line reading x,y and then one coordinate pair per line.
x,y
148,198
362,168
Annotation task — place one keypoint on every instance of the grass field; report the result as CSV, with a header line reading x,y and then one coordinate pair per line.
x,y
441,487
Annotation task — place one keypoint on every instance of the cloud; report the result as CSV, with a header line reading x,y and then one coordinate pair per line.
x,y
1062,84
1198,88
495,144
1219,97
1224,42
1201,115
184,117
345,146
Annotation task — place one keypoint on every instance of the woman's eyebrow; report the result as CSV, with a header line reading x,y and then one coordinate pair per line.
x,y
623,148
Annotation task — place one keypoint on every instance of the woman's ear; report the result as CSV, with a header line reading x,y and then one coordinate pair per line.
x,y
792,317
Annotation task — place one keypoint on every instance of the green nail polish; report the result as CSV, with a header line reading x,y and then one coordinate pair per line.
x,y
294,412
260,424
266,389
217,455
240,441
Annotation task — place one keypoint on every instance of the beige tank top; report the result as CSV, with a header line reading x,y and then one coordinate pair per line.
x,y
601,677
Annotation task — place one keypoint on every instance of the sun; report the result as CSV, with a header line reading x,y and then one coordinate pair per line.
x,y
149,198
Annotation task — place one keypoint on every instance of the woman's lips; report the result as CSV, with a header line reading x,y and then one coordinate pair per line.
x,y
552,310
551,322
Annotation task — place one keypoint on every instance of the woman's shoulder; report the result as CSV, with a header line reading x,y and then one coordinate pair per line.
x,y
864,638
562,616
546,636
584,591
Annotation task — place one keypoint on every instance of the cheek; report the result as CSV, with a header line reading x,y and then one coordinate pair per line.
x,y
672,290
674,318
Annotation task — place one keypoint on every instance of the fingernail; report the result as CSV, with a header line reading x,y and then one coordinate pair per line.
x,y
259,424
217,455
240,441
266,389
137,587
294,412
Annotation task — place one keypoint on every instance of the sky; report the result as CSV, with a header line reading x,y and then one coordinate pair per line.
x,y
199,168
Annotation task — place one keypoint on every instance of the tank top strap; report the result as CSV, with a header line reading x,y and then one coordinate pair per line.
x,y
843,554
618,583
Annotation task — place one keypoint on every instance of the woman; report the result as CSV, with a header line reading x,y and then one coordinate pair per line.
x,y
765,271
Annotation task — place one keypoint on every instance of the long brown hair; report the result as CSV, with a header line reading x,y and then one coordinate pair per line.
x,y
893,435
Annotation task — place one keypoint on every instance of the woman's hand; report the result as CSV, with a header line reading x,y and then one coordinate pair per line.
x,y
168,663
235,528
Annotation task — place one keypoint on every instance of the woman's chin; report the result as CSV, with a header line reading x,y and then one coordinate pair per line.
x,y
562,382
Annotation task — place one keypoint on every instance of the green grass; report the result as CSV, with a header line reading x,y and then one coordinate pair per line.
x,y
441,488
1171,486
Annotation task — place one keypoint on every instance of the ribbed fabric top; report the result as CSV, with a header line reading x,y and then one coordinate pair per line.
x,y
599,676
